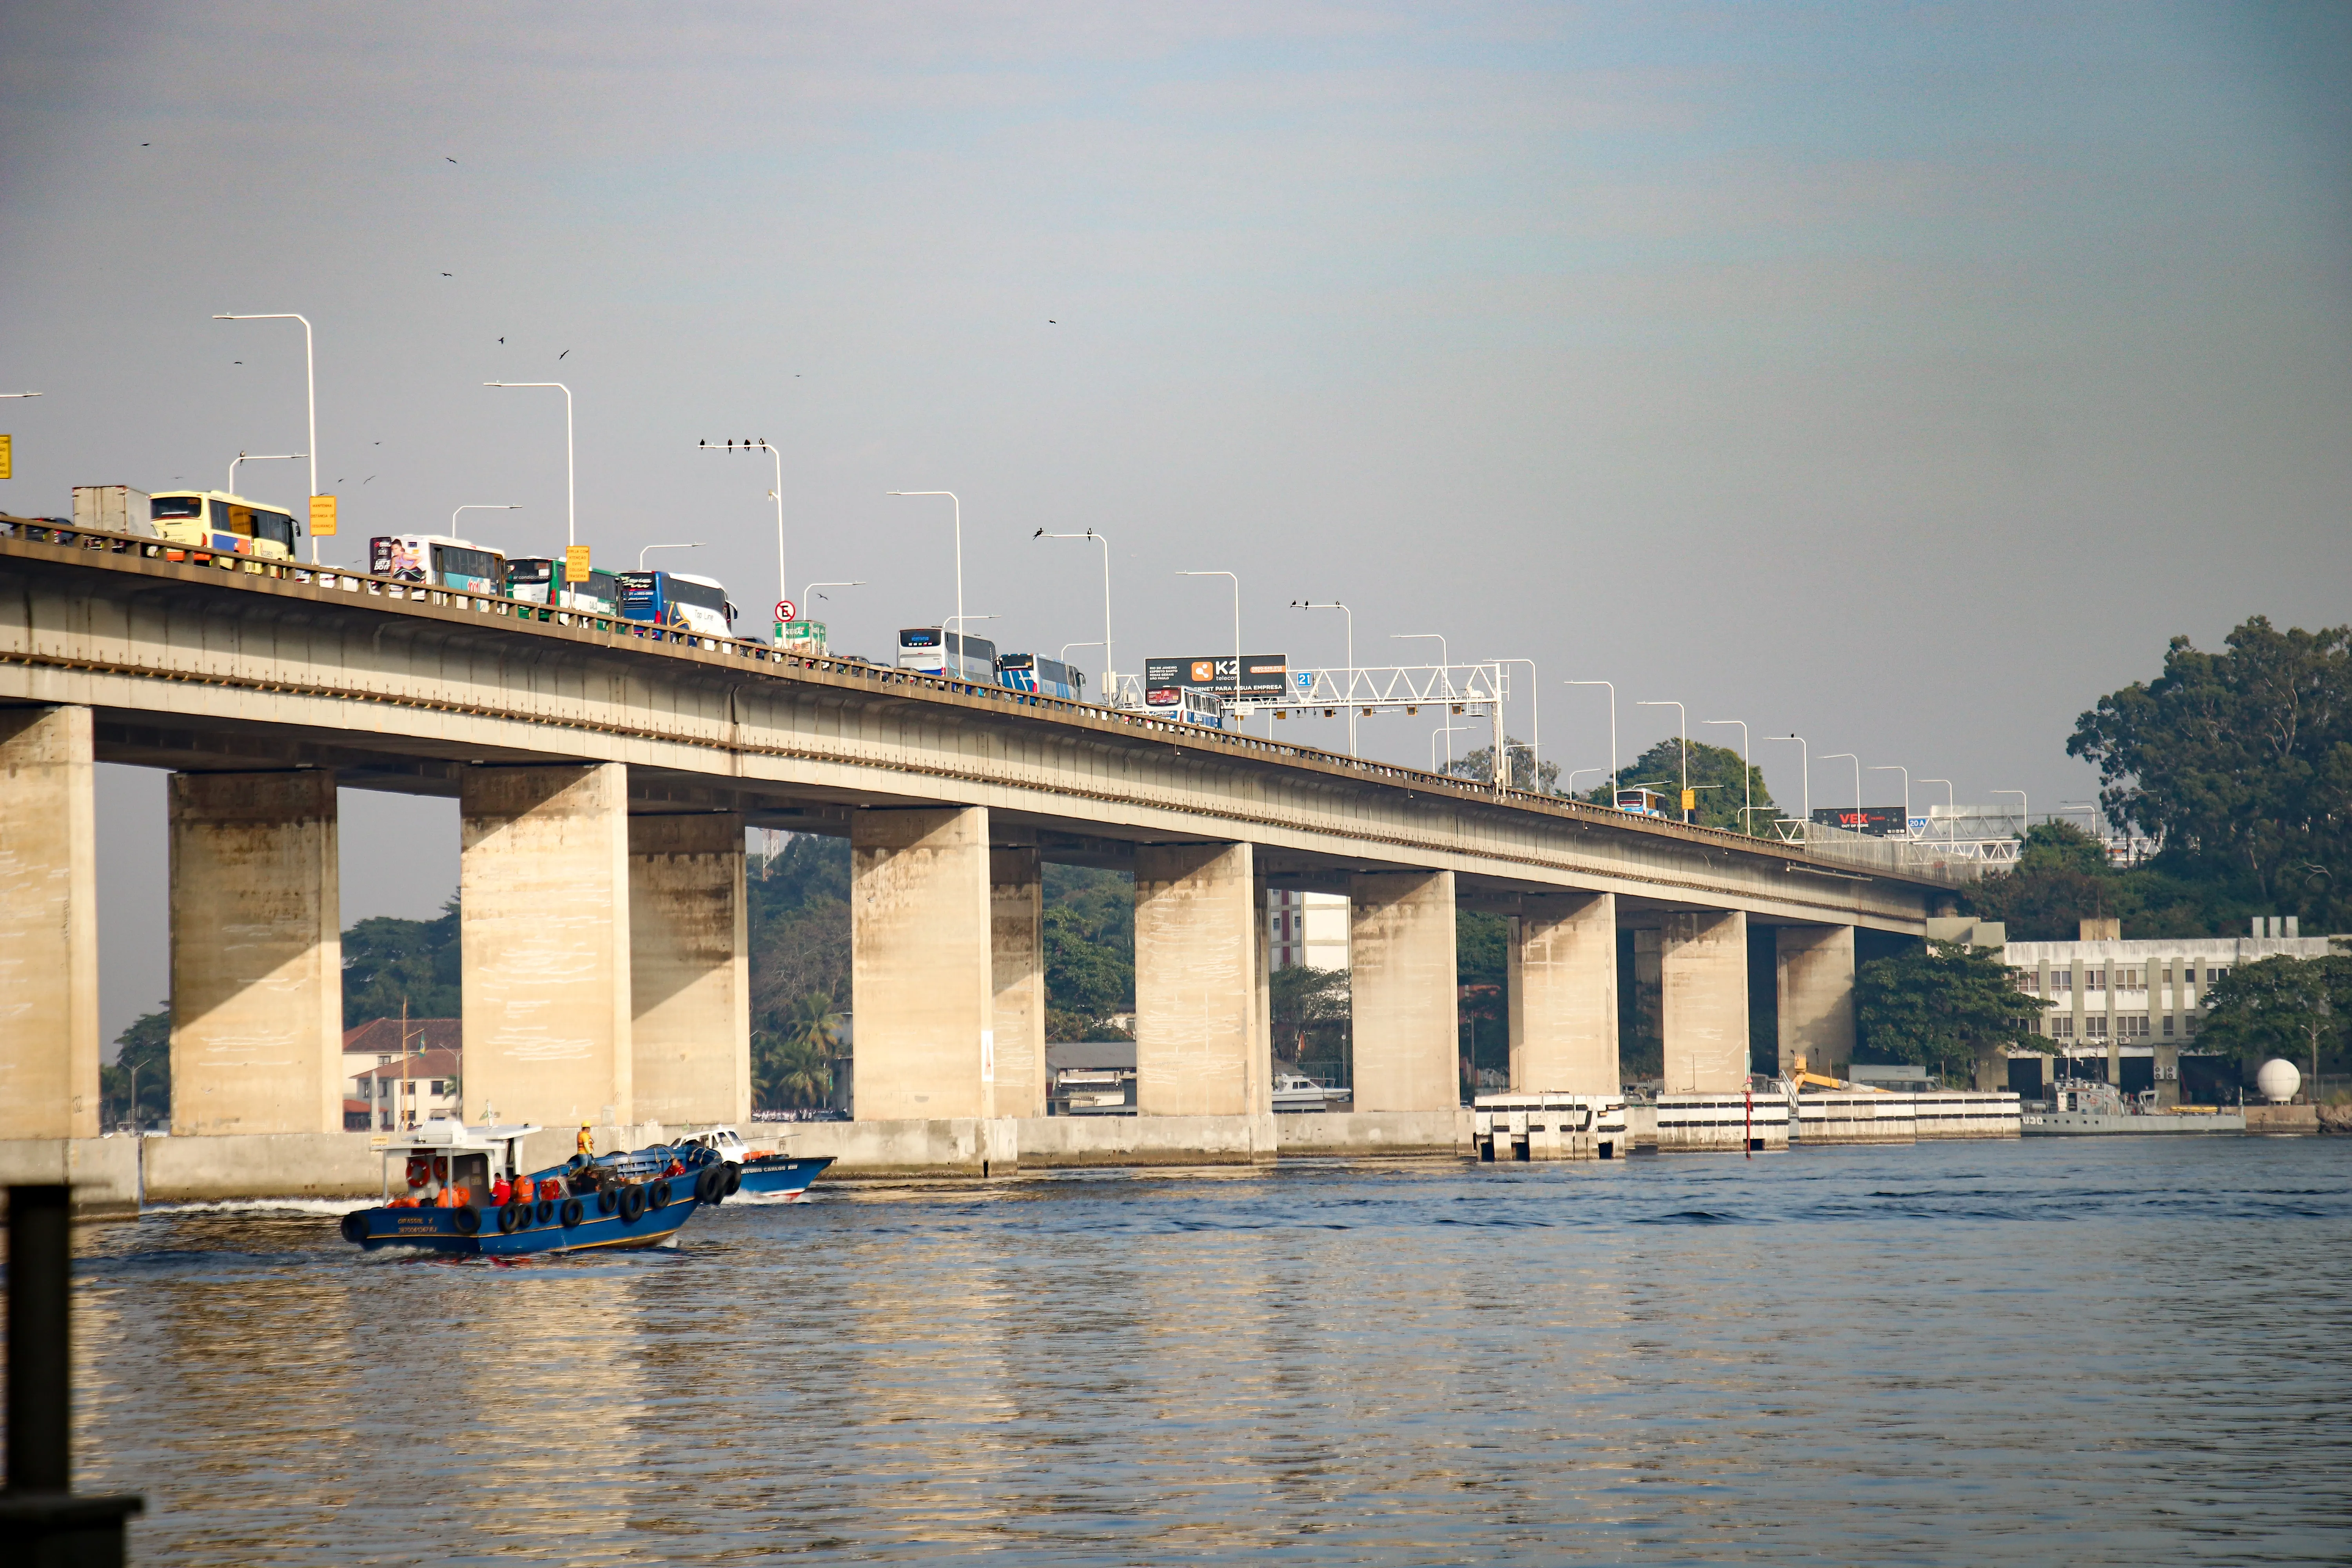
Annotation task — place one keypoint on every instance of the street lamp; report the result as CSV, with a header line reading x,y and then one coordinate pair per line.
x,y
1535,719
309,393
1448,729
1682,718
1951,811
1804,767
783,586
571,508
808,594
1110,666
1849,756
697,545
1577,774
2024,811
1747,823
1237,625
478,506
1612,730
1898,768
30,394
959,561
258,457
1335,605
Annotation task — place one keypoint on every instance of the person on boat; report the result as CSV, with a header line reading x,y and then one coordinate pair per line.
x,y
501,1192
675,1168
453,1196
585,1143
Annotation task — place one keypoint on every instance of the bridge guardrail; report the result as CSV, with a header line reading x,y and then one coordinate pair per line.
x,y
1869,855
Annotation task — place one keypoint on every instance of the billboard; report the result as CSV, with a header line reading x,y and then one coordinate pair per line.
x,y
1263,676
1878,821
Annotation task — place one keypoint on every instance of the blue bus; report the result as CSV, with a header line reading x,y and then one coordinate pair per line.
x,y
676,599
1027,672
930,650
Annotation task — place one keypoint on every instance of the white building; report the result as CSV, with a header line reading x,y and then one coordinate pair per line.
x,y
1308,929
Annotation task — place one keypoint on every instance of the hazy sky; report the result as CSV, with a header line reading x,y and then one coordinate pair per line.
x,y
1899,376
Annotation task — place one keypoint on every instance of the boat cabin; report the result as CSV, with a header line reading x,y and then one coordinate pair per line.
x,y
441,1155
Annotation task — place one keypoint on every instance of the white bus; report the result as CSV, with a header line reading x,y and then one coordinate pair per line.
x,y
439,561
937,652
215,520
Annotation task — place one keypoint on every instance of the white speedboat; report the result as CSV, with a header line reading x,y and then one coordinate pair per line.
x,y
1297,1091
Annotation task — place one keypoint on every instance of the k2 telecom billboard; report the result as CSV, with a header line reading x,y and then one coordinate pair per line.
x,y
1263,676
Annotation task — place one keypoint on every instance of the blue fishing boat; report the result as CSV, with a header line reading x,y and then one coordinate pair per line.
x,y
461,1192
760,1170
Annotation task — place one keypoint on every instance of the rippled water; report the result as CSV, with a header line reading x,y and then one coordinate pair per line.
x,y
2133,1350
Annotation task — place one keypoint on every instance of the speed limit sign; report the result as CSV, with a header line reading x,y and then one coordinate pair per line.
x,y
787,610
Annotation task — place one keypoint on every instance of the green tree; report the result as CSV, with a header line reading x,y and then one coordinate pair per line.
x,y
2241,762
1089,938
1660,768
142,1063
1308,1006
2293,1007
791,1063
388,961
1943,1006
1479,765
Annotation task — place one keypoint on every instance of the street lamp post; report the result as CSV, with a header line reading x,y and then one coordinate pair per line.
x,y
1804,768
1682,718
1849,756
1535,722
19,395
1335,605
2024,811
1448,729
258,457
1612,730
1748,783
1579,774
1899,768
697,545
1111,666
1951,811
783,583
1237,625
309,394
959,561
570,493
478,506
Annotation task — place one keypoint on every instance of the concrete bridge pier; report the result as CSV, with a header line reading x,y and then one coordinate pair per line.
x,y
1016,920
48,924
1703,1000
1563,994
1813,978
257,953
1202,1048
1400,960
689,973
920,964
543,882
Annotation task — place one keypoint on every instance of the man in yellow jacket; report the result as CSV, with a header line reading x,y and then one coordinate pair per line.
x,y
585,1143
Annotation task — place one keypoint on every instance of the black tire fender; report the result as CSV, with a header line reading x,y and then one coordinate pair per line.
x,y
607,1200
546,1210
632,1203
509,1217
734,1180
355,1226
468,1220
710,1186
572,1213
657,1195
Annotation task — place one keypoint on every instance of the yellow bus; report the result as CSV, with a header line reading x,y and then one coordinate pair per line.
x,y
215,520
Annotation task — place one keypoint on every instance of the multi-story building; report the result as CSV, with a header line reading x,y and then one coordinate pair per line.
x,y
1308,929
380,1043
2123,1011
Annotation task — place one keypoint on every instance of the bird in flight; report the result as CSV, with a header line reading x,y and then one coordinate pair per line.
x,y
565,351
237,361
448,274
502,340
146,143
451,159
1051,322
369,480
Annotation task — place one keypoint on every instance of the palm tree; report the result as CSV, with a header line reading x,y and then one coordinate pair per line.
x,y
792,1064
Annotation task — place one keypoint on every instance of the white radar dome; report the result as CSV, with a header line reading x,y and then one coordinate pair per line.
x,y
2277,1080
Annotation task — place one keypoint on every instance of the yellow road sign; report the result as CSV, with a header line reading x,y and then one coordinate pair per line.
x,y
575,563
1690,800
322,516
7,457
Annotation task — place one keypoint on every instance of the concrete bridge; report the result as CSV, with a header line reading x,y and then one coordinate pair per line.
x,y
607,771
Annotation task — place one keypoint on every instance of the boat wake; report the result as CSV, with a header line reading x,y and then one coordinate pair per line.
x,y
335,1207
